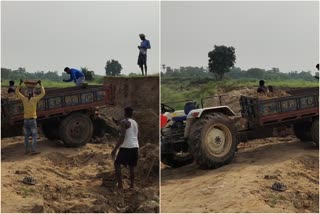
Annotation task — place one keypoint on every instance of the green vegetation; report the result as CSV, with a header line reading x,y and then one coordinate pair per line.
x,y
89,75
55,84
52,79
201,73
274,199
192,83
27,191
113,68
178,90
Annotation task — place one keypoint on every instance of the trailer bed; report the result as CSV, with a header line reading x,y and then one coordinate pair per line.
x,y
302,104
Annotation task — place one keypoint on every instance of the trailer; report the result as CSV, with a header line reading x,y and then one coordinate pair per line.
x,y
67,114
300,111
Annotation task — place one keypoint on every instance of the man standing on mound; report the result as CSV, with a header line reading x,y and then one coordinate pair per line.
x,y
129,146
142,58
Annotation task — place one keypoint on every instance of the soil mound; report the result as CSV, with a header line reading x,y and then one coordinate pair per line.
x,y
142,94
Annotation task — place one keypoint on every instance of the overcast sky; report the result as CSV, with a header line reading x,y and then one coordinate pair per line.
x,y
52,35
265,34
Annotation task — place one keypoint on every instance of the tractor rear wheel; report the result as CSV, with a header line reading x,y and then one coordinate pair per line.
x,y
76,130
213,140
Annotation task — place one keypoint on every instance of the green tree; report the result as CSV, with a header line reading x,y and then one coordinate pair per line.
x,y
221,59
169,70
5,73
113,68
89,75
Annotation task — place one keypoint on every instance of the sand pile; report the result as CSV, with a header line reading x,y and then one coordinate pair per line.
x,y
148,164
232,98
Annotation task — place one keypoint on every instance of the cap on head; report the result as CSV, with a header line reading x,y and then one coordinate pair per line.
x,y
128,111
66,69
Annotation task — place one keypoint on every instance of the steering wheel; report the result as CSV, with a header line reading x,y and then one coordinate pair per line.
x,y
166,108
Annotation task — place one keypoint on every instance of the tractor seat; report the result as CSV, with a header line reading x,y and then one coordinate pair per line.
x,y
189,106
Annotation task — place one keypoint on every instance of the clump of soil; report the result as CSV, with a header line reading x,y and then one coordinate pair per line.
x,y
148,164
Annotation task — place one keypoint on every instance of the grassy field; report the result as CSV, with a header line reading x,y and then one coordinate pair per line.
x,y
180,90
55,84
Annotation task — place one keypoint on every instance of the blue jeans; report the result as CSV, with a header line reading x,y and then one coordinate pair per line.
x,y
30,128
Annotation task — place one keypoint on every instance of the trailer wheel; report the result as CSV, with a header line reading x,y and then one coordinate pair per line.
x,y
315,131
51,130
303,131
76,130
213,141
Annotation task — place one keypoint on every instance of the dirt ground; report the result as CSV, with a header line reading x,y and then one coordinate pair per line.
x,y
71,179
244,184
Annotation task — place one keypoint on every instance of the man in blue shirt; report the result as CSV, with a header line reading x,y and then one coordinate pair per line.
x,y
142,58
75,75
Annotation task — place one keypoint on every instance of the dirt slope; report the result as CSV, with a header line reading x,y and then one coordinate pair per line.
x,y
244,185
70,179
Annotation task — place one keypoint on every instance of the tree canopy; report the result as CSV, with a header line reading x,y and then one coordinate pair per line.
x,y
113,68
221,59
196,73
89,75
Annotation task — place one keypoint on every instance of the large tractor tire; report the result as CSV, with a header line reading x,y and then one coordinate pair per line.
x,y
303,131
76,130
315,131
175,160
51,130
213,141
